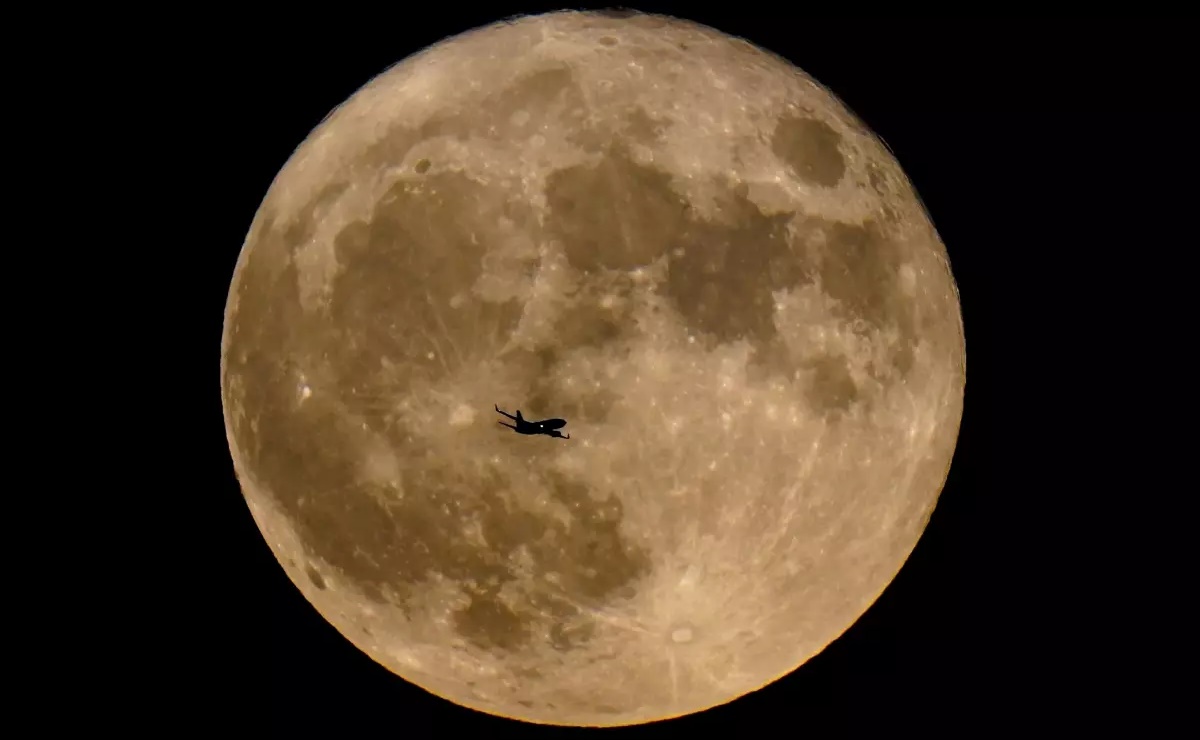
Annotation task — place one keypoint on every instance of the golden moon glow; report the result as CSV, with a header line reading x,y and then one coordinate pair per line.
x,y
676,241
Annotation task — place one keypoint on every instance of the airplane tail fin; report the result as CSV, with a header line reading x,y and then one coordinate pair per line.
x,y
519,417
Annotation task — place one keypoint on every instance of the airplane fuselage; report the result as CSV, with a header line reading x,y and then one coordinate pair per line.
x,y
548,427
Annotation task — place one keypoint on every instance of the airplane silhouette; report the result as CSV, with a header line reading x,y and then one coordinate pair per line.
x,y
548,427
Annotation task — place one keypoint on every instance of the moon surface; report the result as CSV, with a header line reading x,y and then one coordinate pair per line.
x,y
677,241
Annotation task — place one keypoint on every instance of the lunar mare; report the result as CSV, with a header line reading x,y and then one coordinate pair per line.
x,y
678,242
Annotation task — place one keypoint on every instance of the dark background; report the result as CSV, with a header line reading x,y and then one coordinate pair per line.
x,y
1046,151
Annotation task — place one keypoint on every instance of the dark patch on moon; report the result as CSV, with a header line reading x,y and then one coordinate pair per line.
x,y
590,557
388,546
300,227
391,307
810,148
832,388
722,272
488,622
643,128
860,268
615,214
368,349
588,324
608,41
858,265
722,282
315,576
422,166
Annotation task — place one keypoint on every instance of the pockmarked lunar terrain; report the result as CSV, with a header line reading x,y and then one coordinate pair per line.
x,y
676,241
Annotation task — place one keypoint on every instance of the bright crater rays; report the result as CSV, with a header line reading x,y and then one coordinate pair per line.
x,y
674,240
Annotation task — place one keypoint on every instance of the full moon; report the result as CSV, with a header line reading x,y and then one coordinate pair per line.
x,y
674,240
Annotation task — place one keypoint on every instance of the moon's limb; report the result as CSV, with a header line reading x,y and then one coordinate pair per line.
x,y
736,299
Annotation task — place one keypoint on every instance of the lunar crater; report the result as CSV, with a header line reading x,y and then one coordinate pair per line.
x,y
810,147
